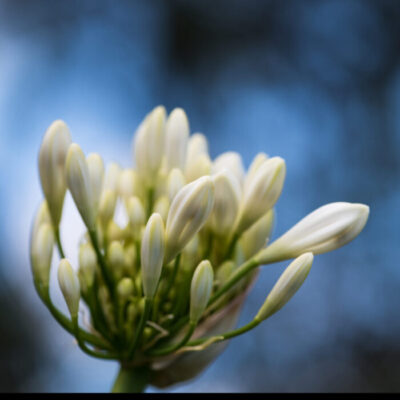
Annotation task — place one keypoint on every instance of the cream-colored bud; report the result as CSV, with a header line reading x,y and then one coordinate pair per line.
x,y
231,161
198,167
161,207
262,192
200,289
224,272
96,174
115,232
188,213
177,135
115,255
286,286
52,155
136,215
79,184
42,243
87,263
108,201
125,289
256,237
111,179
256,163
327,228
42,216
152,254
69,285
130,258
175,182
197,145
149,143
127,183
227,193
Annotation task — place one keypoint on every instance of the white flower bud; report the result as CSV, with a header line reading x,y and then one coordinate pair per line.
x,y
111,179
262,192
125,289
161,207
116,255
108,201
78,181
200,289
256,163
177,134
136,215
231,161
152,254
130,259
286,286
187,214
96,174
256,237
197,145
115,232
52,155
227,193
198,167
42,216
87,263
127,183
149,143
175,182
69,285
42,243
327,228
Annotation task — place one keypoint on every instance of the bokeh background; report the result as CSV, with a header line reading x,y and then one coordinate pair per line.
x,y
316,82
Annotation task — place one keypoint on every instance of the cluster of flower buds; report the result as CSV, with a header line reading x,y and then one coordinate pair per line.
x,y
164,286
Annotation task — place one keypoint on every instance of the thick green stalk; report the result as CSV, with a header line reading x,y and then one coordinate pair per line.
x,y
131,380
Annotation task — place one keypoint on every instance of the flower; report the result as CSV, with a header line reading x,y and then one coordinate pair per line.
x,y
164,292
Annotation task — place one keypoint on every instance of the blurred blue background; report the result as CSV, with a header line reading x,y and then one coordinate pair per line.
x,y
316,82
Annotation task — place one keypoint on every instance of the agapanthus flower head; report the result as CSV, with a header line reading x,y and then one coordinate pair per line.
x,y
164,286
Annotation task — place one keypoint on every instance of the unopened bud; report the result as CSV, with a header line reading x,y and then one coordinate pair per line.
x,y
125,289
198,167
161,207
111,179
187,214
152,254
136,215
175,182
87,263
231,161
200,289
256,163
69,285
52,155
96,174
286,286
108,201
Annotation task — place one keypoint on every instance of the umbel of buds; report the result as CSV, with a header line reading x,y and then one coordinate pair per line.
x,y
164,284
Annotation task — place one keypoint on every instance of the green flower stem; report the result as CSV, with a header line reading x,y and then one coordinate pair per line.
x,y
44,295
174,347
232,245
84,348
138,334
150,201
227,335
171,279
58,241
131,380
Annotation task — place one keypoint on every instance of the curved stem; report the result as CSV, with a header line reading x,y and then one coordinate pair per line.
x,y
140,328
131,380
58,240
174,347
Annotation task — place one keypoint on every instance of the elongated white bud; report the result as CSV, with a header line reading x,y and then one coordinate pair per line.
x,y
327,228
256,163
197,145
231,161
175,182
42,243
79,184
256,237
136,215
286,286
69,285
116,258
42,216
96,174
111,179
262,192
197,167
187,214
227,195
127,183
177,134
161,207
125,289
52,155
200,289
149,143
108,201
87,264
152,254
